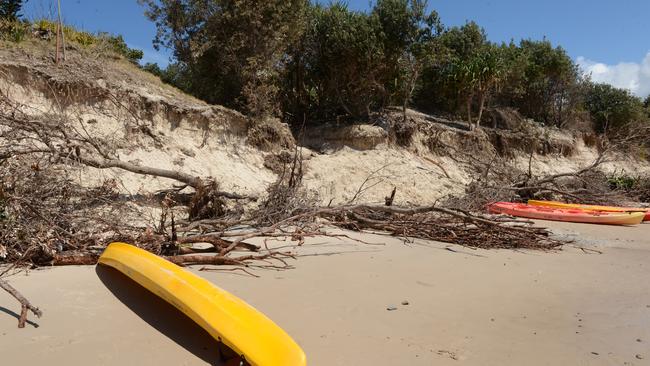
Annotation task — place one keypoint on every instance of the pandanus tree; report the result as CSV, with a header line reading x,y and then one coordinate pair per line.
x,y
475,79
460,77
488,68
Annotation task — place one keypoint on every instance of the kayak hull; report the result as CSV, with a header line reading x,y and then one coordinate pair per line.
x,y
591,207
566,215
225,317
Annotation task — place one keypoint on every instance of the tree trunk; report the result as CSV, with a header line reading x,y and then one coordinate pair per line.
x,y
481,104
468,105
410,88
190,180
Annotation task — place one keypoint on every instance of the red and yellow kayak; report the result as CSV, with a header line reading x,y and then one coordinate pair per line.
x,y
566,214
557,204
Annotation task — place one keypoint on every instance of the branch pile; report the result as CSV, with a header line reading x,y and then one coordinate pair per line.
x,y
441,224
497,178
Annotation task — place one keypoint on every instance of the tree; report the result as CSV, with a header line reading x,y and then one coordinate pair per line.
x,y
475,78
410,38
447,82
548,87
232,50
612,108
470,70
464,41
337,68
352,63
10,9
119,45
489,67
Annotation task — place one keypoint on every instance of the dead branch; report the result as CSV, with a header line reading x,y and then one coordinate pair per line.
x,y
389,199
61,140
219,260
208,269
25,305
371,181
438,165
191,181
87,259
217,241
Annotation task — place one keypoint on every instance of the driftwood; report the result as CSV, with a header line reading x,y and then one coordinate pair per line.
x,y
191,181
216,241
25,305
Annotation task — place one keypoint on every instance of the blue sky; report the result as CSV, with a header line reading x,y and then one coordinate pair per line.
x,y
608,38
123,17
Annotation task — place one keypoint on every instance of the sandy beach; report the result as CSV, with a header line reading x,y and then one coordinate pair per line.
x,y
256,133
473,307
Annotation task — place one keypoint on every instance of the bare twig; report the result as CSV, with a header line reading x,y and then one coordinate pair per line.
x,y
25,305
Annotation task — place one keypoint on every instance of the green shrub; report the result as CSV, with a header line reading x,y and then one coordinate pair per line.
x,y
82,38
622,182
14,31
120,47
47,28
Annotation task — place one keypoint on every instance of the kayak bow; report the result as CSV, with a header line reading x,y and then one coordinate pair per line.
x,y
230,320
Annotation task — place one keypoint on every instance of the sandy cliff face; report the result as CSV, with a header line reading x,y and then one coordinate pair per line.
x,y
145,121
153,124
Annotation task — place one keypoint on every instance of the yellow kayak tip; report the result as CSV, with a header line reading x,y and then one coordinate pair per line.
x,y
256,339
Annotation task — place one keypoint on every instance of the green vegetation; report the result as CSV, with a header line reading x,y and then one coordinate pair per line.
x,y
230,52
623,182
112,43
611,108
304,61
10,10
15,30
11,27
352,64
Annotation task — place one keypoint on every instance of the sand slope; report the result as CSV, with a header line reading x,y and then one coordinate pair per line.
x,y
470,307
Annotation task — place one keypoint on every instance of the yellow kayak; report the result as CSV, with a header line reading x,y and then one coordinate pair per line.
x,y
557,204
248,332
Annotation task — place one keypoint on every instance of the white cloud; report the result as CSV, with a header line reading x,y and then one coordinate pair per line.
x,y
627,75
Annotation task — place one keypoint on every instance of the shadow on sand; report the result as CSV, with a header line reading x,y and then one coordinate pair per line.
x,y
161,315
